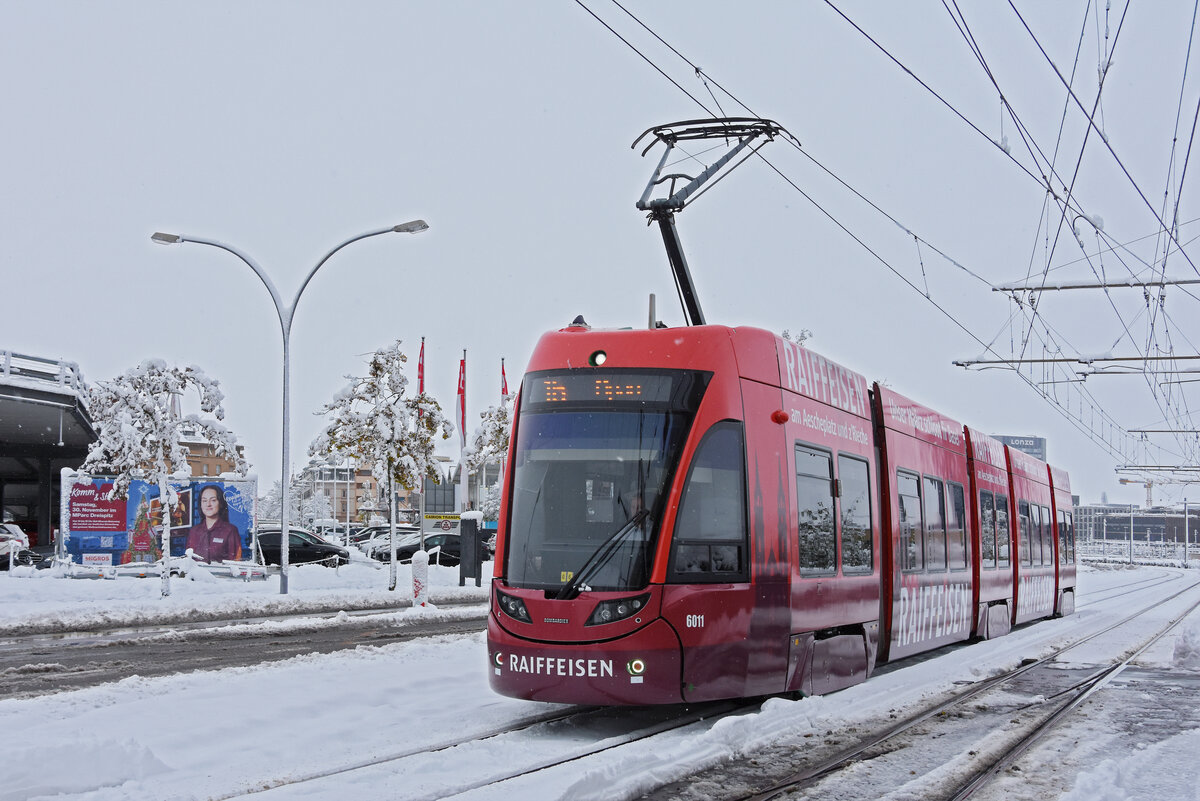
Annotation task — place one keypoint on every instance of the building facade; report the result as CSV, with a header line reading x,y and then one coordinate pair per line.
x,y
203,458
1160,525
350,490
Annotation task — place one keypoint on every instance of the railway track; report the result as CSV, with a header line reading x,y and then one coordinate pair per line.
x,y
543,754
1071,701
924,754
560,752
1134,587
535,744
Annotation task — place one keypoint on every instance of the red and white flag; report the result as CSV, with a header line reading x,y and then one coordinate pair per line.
x,y
421,375
503,384
421,368
462,398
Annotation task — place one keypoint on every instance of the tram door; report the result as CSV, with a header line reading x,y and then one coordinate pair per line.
x,y
726,592
769,474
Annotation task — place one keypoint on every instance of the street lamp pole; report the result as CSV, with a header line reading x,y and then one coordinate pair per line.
x,y
285,324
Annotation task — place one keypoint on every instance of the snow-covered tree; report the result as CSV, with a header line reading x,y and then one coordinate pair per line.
x,y
139,431
313,508
302,510
490,442
270,504
376,422
490,503
490,445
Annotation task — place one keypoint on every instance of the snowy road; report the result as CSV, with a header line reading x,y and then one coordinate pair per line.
x,y
37,664
237,731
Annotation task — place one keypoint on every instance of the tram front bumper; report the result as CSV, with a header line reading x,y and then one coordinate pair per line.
x,y
640,668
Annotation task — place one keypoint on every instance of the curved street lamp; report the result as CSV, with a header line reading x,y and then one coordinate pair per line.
x,y
285,324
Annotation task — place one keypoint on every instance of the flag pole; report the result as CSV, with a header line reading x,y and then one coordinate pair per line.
x,y
503,406
462,425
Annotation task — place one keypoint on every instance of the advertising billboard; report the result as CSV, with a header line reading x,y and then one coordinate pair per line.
x,y
213,517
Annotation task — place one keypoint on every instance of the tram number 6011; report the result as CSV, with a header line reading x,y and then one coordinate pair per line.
x,y
695,621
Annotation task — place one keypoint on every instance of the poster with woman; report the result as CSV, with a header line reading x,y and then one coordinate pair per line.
x,y
221,518
107,531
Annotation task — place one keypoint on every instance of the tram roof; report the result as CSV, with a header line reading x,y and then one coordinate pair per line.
x,y
909,417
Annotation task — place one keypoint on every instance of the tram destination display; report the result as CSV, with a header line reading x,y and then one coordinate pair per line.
x,y
591,387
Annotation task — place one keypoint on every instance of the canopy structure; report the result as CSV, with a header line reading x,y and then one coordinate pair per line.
x,y
44,426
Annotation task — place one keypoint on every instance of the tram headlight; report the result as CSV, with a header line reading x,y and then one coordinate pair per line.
x,y
513,607
619,609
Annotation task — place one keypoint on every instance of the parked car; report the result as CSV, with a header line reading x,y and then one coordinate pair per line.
x,y
443,549
371,532
379,545
14,547
303,548
334,534
361,534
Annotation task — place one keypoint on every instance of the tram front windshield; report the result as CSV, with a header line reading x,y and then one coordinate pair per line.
x,y
595,453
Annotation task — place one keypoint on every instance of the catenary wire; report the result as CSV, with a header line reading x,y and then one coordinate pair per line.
x,y
1092,124
701,74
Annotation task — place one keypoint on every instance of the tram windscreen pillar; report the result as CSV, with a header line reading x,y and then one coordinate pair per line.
x,y
470,562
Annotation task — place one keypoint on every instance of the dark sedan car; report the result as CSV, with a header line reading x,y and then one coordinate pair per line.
x,y
302,548
449,549
380,546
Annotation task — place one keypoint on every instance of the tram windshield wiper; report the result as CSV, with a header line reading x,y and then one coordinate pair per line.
x,y
600,557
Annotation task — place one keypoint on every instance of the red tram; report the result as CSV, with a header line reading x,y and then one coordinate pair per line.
x,y
711,512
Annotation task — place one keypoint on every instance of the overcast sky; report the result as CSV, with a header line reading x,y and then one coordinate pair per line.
x,y
283,128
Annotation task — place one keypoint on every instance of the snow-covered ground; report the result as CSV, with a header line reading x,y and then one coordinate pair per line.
x,y
33,599
218,734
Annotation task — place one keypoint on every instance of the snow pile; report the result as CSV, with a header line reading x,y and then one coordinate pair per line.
x,y
1187,648
1143,773
38,601
94,765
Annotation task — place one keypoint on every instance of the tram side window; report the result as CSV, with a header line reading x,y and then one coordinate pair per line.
x,y
1062,537
1047,537
1003,532
1023,522
935,524
710,528
912,547
854,476
1035,534
814,501
956,528
1070,539
987,529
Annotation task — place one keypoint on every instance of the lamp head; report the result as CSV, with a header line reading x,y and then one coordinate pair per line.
x,y
411,227
160,238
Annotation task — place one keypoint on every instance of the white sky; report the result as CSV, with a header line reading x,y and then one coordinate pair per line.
x,y
284,128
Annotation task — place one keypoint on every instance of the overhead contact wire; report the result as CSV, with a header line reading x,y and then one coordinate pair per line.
x,y
1077,423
